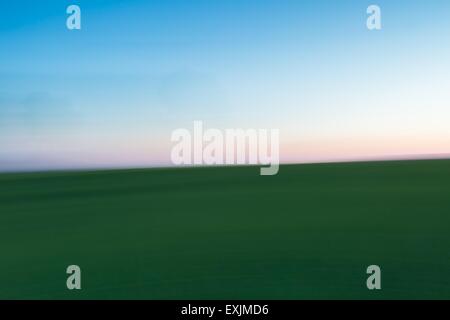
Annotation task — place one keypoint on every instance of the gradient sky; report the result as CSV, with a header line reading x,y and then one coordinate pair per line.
x,y
110,94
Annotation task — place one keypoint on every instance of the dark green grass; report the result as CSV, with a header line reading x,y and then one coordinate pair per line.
x,y
213,233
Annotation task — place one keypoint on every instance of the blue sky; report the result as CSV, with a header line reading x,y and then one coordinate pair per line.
x,y
111,93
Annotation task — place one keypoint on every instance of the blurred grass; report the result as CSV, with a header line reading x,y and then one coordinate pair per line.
x,y
228,233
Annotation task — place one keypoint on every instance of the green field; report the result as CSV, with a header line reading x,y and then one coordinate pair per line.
x,y
228,233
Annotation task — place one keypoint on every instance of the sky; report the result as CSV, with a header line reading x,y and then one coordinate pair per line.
x,y
111,94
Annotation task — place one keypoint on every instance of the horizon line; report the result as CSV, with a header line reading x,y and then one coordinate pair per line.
x,y
403,158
